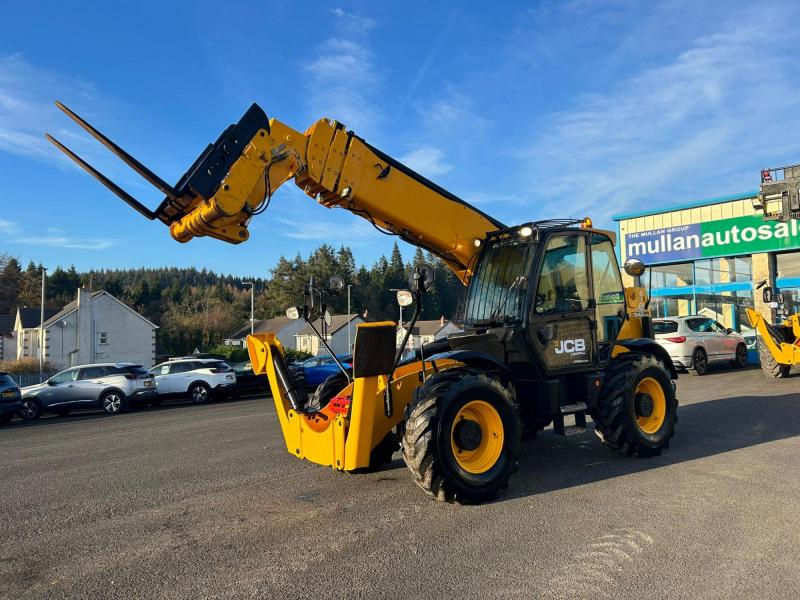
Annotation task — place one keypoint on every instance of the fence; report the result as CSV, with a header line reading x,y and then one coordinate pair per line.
x,y
24,379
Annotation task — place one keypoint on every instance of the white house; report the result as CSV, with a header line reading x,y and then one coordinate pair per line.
x,y
336,336
425,332
26,333
95,327
284,328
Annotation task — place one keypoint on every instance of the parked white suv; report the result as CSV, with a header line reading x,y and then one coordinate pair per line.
x,y
199,378
695,341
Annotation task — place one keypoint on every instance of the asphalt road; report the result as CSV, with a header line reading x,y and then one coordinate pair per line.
x,y
204,501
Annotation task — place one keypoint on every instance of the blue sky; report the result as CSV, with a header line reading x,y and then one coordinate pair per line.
x,y
532,110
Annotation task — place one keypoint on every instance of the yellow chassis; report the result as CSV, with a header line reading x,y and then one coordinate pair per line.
x,y
342,440
784,353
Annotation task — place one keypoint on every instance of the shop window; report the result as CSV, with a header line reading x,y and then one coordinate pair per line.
x,y
788,265
728,309
667,276
672,306
723,270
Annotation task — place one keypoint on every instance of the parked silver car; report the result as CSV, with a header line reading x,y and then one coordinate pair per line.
x,y
695,341
110,386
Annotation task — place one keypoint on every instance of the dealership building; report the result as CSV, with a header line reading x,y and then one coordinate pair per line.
x,y
707,258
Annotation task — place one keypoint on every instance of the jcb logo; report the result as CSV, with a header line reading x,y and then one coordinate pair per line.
x,y
571,346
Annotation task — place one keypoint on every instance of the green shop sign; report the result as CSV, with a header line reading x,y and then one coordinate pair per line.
x,y
726,237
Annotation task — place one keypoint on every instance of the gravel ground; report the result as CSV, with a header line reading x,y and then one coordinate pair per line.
x,y
204,501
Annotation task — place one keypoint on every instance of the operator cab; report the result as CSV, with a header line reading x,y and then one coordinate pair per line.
x,y
546,296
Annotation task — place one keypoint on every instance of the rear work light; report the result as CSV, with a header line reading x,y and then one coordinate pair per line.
x,y
678,339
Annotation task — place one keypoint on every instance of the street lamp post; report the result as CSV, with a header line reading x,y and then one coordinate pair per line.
x,y
252,321
349,326
41,327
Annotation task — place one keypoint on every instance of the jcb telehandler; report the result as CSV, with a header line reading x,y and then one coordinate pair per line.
x,y
778,344
549,329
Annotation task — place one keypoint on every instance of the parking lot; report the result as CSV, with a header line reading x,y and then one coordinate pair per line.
x,y
204,501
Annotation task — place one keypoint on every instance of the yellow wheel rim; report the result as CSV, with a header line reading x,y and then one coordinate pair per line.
x,y
488,449
650,405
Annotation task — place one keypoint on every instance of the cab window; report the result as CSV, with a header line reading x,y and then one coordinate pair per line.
x,y
608,291
563,283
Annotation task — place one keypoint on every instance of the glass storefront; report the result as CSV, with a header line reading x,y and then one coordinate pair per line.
x,y
718,288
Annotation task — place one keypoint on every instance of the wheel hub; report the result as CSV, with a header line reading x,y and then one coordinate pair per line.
x,y
644,405
467,435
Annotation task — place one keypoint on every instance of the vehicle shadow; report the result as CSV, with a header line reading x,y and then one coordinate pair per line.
x,y
90,414
704,429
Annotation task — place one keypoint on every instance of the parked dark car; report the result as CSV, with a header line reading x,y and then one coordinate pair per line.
x,y
110,386
10,398
319,368
250,384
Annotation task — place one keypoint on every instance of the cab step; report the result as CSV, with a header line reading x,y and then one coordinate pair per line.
x,y
578,410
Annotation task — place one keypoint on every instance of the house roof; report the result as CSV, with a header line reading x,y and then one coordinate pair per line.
x,y
427,327
274,324
73,306
68,308
6,323
337,322
29,317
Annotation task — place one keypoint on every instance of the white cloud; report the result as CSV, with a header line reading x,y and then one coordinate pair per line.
x,y
352,21
451,112
342,79
328,231
15,234
8,227
27,94
699,124
427,161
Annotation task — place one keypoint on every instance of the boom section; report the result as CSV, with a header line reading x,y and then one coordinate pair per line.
x,y
234,179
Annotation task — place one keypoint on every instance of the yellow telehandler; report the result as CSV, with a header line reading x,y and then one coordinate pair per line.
x,y
550,331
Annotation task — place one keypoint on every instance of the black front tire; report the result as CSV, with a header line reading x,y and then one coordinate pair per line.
x,y
699,362
740,362
112,402
615,416
199,393
31,409
769,366
428,439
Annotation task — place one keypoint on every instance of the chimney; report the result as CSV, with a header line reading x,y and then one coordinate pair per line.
x,y
442,321
85,328
366,314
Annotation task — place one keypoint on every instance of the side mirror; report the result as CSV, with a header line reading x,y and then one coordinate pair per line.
x,y
729,330
49,382
767,295
335,285
404,298
634,267
422,278
293,312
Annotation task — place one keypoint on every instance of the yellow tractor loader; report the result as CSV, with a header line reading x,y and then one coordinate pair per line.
x,y
778,345
549,329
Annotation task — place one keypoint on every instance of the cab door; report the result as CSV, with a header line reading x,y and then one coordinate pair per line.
x,y
562,313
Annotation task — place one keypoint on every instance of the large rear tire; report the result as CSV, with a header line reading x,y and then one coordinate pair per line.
x,y
769,366
637,409
462,435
